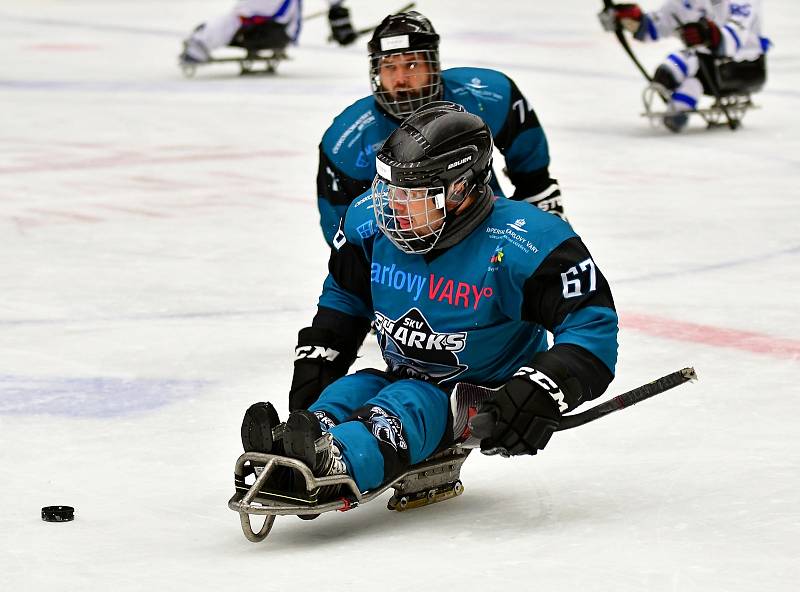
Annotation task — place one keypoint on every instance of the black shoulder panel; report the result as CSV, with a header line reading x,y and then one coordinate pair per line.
x,y
335,186
349,266
520,117
566,281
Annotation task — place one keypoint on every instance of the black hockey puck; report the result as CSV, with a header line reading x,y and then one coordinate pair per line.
x,y
58,513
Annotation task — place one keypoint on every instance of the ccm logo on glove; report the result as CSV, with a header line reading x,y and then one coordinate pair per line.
x,y
544,381
311,352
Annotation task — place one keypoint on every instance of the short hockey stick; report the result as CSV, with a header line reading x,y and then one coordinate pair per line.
x,y
481,425
637,395
624,43
312,15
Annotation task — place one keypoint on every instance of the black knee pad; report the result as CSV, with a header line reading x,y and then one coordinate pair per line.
x,y
665,78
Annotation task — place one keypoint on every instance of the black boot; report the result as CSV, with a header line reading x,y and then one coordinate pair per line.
x,y
303,439
259,433
262,431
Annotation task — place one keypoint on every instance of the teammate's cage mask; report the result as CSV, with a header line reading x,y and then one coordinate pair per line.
x,y
438,157
404,63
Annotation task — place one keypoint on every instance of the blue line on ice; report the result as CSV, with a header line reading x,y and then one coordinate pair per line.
x,y
95,396
714,266
104,27
244,314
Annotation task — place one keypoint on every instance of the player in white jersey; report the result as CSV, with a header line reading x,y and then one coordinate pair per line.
x,y
724,48
280,19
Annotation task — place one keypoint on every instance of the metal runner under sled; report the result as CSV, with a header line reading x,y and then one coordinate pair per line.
x,y
434,480
431,481
248,64
736,105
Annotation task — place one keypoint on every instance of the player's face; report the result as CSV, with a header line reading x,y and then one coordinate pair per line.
x,y
415,211
405,75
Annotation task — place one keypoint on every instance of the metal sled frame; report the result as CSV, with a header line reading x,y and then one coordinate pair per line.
x,y
736,105
440,470
270,57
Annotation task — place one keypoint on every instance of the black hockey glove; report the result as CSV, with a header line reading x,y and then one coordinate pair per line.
x,y
537,188
341,26
321,356
525,413
551,204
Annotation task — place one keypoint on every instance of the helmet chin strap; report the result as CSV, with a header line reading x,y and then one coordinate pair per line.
x,y
459,225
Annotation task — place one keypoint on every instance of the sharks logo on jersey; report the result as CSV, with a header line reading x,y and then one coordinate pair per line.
x,y
411,346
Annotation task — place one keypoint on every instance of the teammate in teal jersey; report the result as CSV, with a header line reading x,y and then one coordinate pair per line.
x,y
405,74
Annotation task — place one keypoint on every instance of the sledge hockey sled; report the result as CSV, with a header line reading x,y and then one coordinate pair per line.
x,y
260,62
656,96
434,480
730,84
265,45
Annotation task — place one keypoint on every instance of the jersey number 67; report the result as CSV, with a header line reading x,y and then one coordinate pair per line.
x,y
571,279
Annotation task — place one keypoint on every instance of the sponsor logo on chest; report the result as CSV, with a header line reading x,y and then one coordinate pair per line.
x,y
515,233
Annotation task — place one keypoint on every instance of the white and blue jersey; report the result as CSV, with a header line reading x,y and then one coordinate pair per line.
x,y
220,31
348,147
739,22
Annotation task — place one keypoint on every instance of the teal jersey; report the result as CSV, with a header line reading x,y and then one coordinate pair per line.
x,y
481,309
348,147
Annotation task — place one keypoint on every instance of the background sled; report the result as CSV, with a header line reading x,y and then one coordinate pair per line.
x,y
730,85
256,62
265,45
725,111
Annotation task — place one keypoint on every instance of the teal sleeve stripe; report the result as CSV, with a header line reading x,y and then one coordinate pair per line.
x,y
593,328
335,297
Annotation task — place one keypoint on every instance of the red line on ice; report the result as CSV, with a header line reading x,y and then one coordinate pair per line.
x,y
758,343
68,215
64,47
137,211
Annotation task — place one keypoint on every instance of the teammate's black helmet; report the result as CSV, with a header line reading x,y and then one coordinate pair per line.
x,y
427,167
411,35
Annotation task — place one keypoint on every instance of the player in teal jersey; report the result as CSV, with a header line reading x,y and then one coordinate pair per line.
x,y
405,73
460,286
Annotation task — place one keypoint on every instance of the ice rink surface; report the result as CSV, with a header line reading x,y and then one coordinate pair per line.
x,y
160,250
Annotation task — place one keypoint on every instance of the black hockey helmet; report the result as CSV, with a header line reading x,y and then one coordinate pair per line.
x,y
405,33
437,158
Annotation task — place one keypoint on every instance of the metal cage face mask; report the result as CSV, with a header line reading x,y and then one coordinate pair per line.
x,y
412,218
414,76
